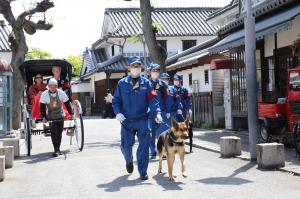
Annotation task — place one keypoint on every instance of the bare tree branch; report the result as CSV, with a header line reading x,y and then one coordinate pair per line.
x,y
42,6
6,11
31,27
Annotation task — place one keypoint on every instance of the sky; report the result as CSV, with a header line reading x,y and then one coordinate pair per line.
x,y
78,23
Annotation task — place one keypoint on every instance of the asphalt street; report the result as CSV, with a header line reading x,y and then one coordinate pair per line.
x,y
99,172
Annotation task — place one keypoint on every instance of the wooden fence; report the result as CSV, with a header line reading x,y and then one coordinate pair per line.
x,y
203,109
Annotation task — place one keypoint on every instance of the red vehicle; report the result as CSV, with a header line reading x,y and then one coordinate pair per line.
x,y
281,121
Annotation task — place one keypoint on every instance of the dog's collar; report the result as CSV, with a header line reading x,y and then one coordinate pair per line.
x,y
172,138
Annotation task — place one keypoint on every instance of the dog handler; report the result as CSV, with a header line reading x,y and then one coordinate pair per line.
x,y
161,90
133,102
186,101
52,110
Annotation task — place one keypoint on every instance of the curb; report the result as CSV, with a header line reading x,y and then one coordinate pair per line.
x,y
213,149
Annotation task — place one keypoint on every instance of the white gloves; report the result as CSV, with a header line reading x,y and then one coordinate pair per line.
x,y
158,119
179,112
168,115
190,112
120,117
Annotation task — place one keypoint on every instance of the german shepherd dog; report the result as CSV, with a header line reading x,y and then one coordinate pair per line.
x,y
172,142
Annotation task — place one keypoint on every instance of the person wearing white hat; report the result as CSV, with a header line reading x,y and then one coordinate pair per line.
x,y
52,110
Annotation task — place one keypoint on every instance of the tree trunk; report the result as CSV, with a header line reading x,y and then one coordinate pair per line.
x,y
18,86
19,47
157,53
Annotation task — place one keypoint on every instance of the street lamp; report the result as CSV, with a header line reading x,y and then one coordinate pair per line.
x,y
5,97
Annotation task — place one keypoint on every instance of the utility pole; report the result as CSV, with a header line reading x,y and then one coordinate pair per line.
x,y
251,82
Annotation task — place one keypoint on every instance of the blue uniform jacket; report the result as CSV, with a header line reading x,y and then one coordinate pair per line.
x,y
135,100
185,97
173,101
161,89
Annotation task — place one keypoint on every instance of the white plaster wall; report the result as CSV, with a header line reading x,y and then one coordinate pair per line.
x,y
116,75
174,44
284,38
269,45
197,74
6,56
98,76
82,88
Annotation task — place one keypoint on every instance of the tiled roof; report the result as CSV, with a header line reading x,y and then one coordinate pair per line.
x,y
117,64
90,60
4,32
173,21
233,4
263,9
189,51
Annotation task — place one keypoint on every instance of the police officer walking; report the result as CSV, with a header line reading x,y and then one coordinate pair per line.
x,y
133,102
161,90
186,101
173,102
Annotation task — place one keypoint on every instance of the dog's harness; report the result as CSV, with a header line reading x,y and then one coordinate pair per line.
x,y
171,139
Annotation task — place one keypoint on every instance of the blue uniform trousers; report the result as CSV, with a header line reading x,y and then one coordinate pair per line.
x,y
128,130
153,128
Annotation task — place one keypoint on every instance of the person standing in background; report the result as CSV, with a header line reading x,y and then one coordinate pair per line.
x,y
108,105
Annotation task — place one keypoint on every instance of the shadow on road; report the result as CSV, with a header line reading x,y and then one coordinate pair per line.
x,y
43,157
165,183
103,144
121,182
232,179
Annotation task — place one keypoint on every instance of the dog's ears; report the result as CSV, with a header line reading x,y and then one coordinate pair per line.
x,y
174,123
187,121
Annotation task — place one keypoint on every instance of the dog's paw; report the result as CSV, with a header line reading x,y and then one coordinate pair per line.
x,y
184,175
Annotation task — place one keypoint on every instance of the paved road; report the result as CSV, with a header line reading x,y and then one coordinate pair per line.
x,y
99,172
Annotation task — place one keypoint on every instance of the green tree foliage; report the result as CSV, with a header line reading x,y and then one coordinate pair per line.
x,y
76,61
36,53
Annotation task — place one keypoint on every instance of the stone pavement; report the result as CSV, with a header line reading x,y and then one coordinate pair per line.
x,y
210,139
99,172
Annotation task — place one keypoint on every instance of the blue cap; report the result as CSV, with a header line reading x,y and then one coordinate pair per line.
x,y
133,60
164,75
155,66
148,69
178,77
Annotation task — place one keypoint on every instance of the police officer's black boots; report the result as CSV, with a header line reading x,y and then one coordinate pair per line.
x,y
144,177
129,167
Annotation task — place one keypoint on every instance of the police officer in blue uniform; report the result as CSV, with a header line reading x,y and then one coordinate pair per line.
x,y
161,90
173,103
185,97
133,102
186,101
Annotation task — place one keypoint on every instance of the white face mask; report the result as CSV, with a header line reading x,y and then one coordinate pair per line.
x,y
135,72
176,83
154,75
